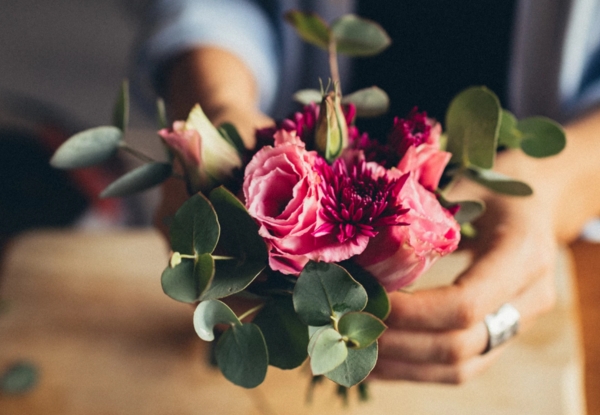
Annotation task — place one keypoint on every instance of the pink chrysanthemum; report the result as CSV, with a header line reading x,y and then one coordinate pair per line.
x,y
411,131
357,198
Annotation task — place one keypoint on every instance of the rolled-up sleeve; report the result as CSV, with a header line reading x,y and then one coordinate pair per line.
x,y
241,27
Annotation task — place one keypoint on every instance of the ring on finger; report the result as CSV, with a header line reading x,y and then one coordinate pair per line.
x,y
501,325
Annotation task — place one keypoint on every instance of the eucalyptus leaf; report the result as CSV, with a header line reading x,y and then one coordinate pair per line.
x,y
357,366
195,228
210,313
498,182
508,135
378,303
308,96
468,210
187,280
310,27
542,137
231,134
326,290
361,329
242,355
355,36
121,110
285,334
19,378
369,102
139,179
240,242
327,351
472,124
88,148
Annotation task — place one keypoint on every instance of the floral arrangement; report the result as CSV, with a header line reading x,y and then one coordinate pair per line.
x,y
316,223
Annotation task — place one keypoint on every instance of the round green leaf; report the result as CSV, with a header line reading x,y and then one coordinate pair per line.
x,y
242,355
308,96
187,281
508,135
472,123
195,228
379,302
239,240
369,102
20,377
327,351
468,210
542,137
139,179
356,367
88,148
310,27
325,290
285,334
121,110
210,313
498,182
361,329
355,36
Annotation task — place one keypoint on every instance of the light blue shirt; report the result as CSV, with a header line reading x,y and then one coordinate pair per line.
x,y
555,66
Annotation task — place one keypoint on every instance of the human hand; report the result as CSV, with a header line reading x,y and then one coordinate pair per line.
x,y
438,335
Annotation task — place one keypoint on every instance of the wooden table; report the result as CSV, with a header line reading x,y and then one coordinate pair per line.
x,y
88,310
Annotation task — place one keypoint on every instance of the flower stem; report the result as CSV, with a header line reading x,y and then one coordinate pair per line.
x,y
252,310
137,153
333,67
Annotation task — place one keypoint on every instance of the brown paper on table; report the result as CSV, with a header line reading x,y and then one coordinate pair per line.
x,y
88,310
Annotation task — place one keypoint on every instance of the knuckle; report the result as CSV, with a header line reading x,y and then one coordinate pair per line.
x,y
465,315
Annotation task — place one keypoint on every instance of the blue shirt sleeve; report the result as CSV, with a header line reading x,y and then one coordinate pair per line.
x,y
242,27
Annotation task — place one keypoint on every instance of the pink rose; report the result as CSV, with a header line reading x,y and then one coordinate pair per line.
x,y
282,193
400,254
207,158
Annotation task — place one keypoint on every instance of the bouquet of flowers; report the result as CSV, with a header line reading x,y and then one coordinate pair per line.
x,y
315,224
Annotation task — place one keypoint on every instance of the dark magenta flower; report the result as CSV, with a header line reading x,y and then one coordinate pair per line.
x,y
358,197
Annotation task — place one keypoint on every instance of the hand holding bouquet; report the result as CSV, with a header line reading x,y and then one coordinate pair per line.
x,y
318,221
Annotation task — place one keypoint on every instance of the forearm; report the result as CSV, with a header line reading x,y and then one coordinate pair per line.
x,y
221,83
565,186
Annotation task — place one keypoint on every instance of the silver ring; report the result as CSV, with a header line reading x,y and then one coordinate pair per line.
x,y
501,326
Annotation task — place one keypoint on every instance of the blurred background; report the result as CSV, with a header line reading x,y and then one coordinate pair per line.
x,y
62,64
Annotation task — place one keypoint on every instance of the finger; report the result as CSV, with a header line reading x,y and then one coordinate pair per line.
x,y
496,277
434,372
454,346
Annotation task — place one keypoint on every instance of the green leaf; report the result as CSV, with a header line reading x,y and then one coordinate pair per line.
x,y
285,334
542,137
310,27
508,135
327,351
139,179
195,228
187,281
240,240
242,355
355,36
356,367
210,313
472,123
369,102
498,182
88,148
325,290
308,96
379,302
19,378
361,329
121,110
468,210
230,133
